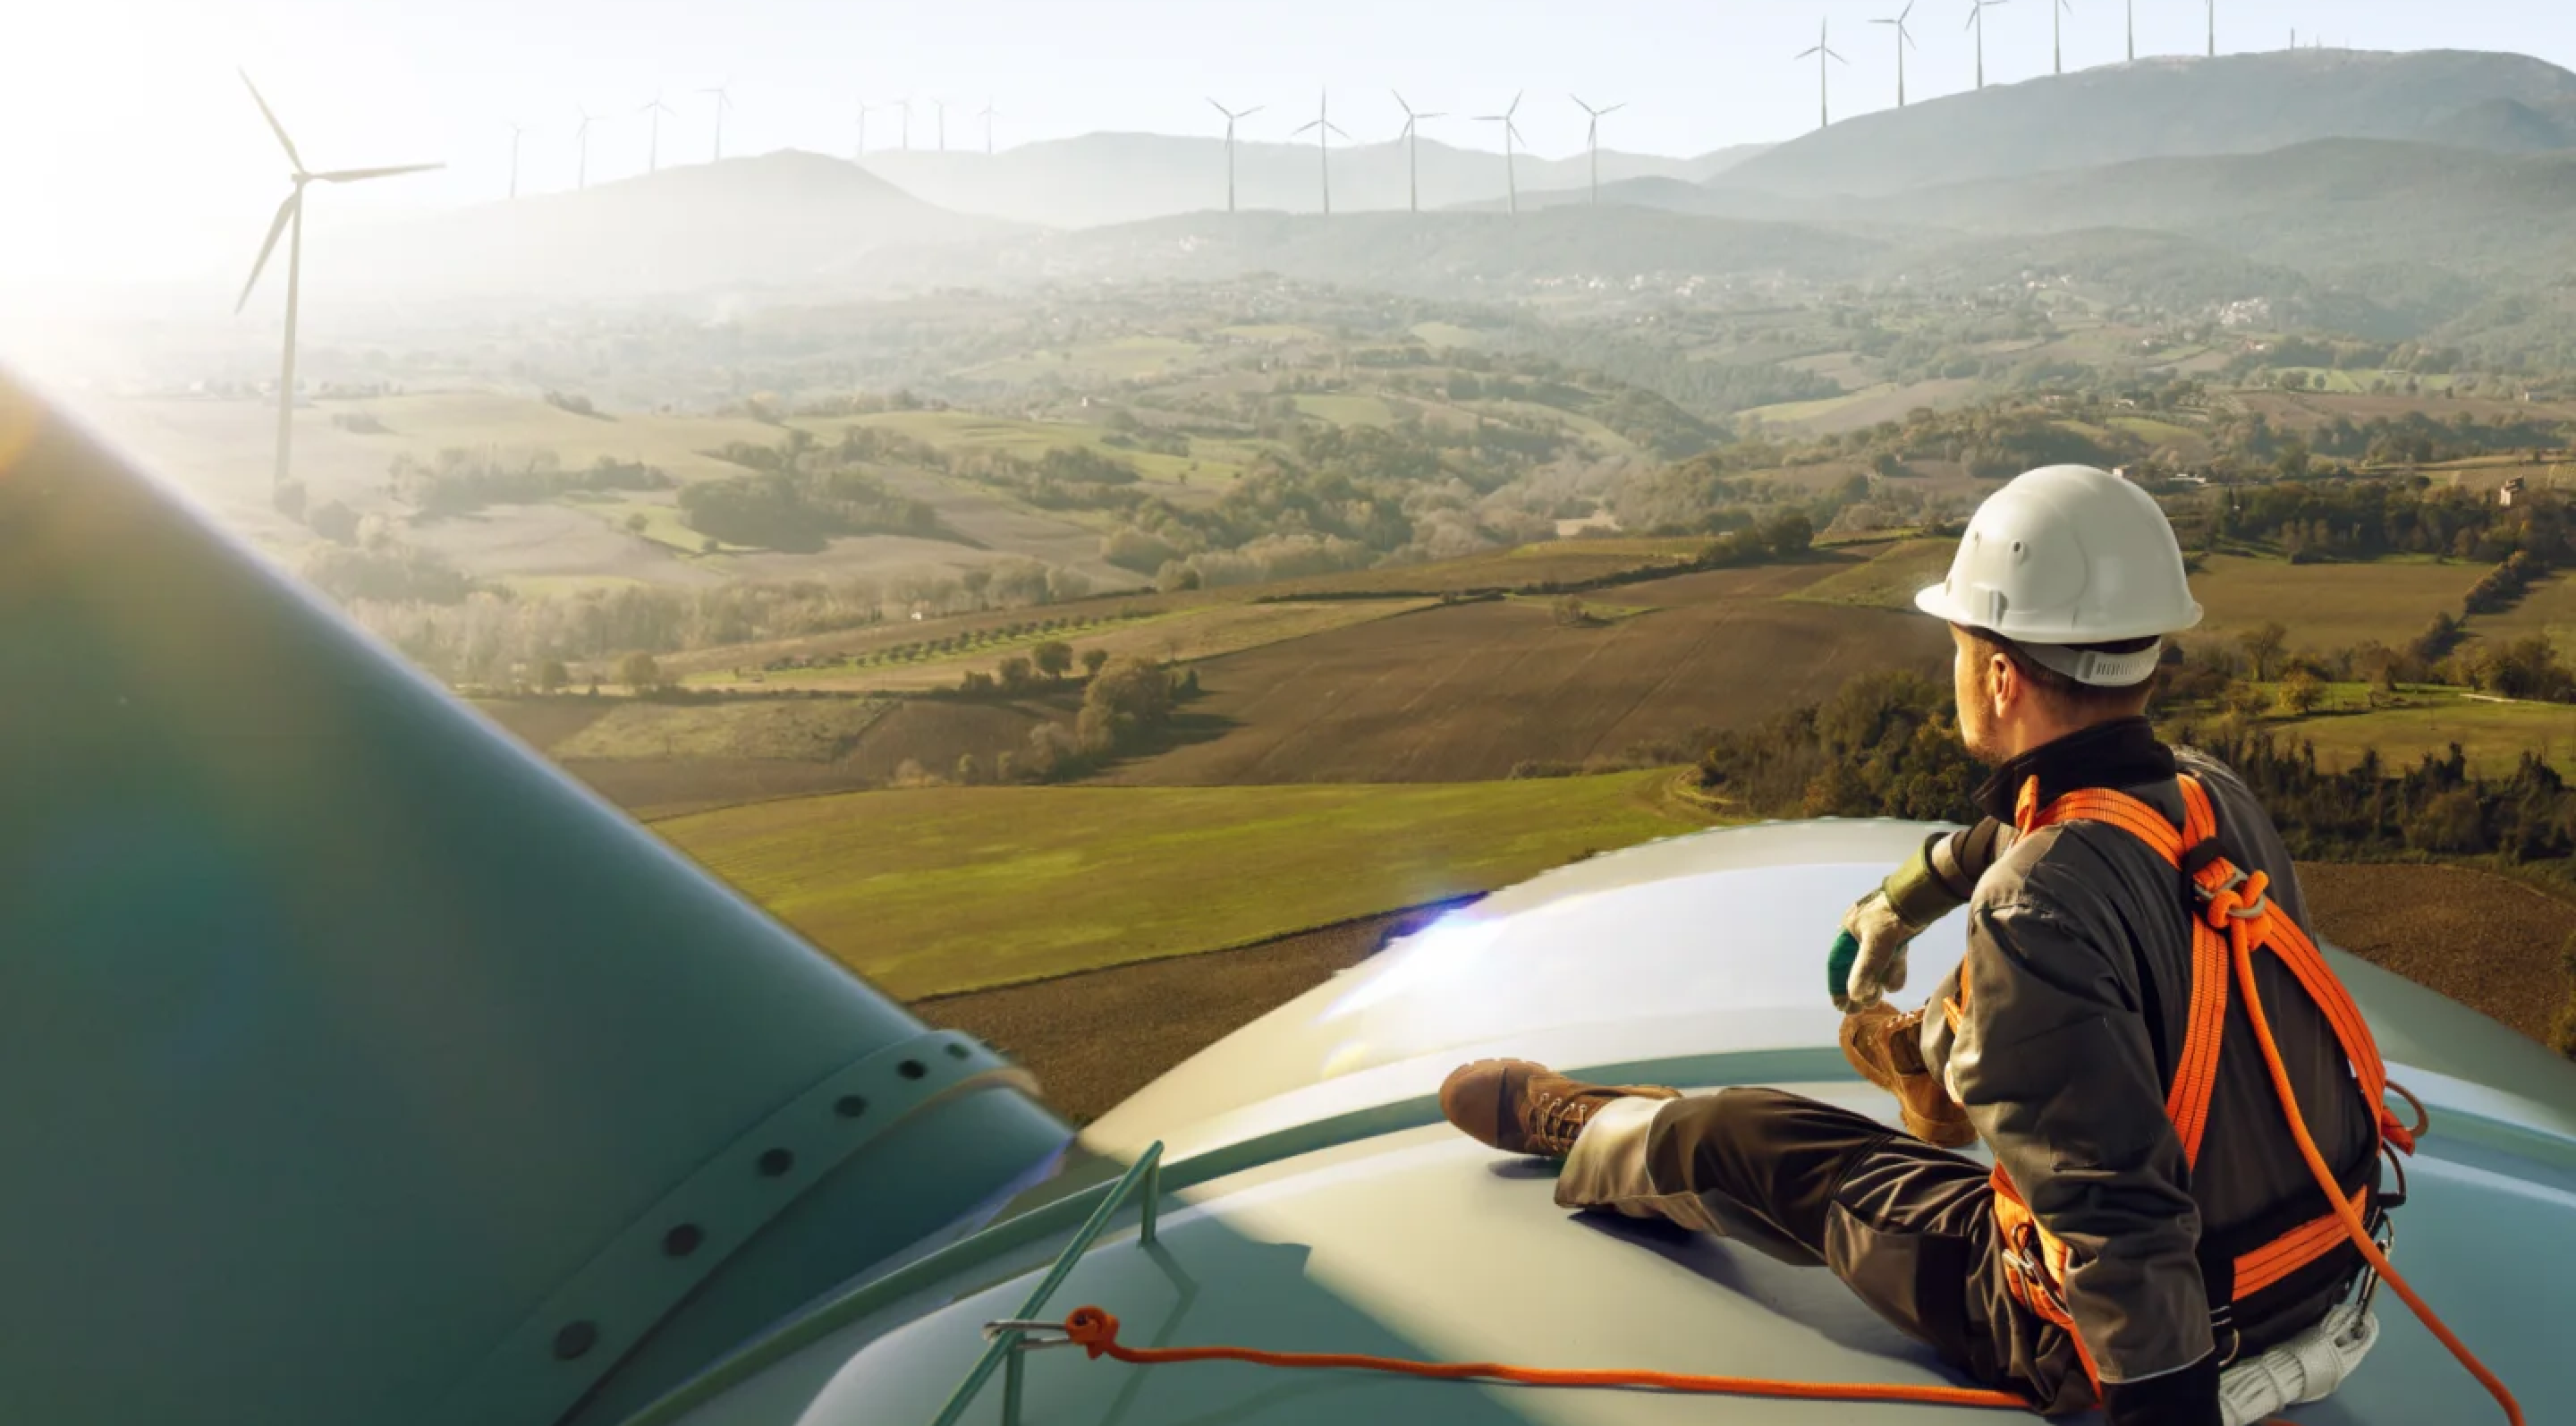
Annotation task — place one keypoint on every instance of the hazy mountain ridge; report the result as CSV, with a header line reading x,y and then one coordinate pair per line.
x,y
775,219
2159,108
1099,180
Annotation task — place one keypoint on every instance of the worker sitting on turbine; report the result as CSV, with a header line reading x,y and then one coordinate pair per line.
x,y
2149,1222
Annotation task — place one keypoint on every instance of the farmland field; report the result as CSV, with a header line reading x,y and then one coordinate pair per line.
x,y
2548,608
1470,691
1200,633
952,889
2329,605
1348,410
1888,581
1526,568
2494,734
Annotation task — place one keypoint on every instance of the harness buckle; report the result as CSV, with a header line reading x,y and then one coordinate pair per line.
x,y
2208,896
1028,1333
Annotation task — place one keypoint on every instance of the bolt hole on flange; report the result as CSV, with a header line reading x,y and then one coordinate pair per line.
x,y
956,1051
774,1162
575,1339
850,1106
682,1240
912,1069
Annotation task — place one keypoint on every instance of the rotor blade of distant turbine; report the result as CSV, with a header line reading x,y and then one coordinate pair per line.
x,y
354,175
1615,108
1516,103
1301,128
1399,102
273,126
1807,53
1336,128
285,211
1579,104
1903,15
1836,58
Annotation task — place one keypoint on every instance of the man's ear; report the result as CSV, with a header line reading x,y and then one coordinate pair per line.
x,y
2003,683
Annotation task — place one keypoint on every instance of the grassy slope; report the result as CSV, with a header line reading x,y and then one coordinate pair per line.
x,y
2494,734
954,888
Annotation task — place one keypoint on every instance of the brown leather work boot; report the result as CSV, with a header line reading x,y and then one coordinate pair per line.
x,y
1886,1046
1524,1108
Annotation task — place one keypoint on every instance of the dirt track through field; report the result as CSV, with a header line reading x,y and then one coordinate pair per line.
x,y
1468,692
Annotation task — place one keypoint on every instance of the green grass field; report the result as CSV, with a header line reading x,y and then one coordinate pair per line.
x,y
1888,581
1348,410
951,889
422,425
1438,335
1118,358
2328,606
2162,433
2494,735
798,730
949,430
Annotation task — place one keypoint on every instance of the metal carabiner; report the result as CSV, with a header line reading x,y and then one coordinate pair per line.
x,y
2386,1237
1030,1334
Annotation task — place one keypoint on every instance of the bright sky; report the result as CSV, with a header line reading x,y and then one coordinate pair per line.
x,y
132,149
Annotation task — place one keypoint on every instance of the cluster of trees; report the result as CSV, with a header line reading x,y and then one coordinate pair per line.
x,y
1126,708
1786,535
1021,674
1885,746
800,495
386,571
458,481
2365,519
2502,587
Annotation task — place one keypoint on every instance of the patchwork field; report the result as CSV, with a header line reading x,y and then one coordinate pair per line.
x,y
952,889
1184,635
2494,734
2329,605
1473,690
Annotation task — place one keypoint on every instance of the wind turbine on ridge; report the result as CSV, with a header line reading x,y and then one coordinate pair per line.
x,y
905,104
515,131
1592,138
292,212
987,117
1904,37
1823,51
1511,168
2133,31
2213,28
941,108
865,109
581,137
1324,128
2057,13
653,150
1231,117
1977,21
1412,143
724,101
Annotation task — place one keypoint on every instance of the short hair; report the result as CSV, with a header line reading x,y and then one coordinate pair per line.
x,y
2087,701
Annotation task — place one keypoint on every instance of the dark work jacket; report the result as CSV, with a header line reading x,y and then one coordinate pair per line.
x,y
2079,964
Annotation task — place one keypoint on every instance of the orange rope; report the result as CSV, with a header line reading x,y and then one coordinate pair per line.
x,y
1096,1331
2243,939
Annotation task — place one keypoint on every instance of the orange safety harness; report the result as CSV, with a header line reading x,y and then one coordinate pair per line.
x,y
2237,918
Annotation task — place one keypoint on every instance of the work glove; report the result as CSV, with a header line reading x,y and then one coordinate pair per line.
x,y
1868,958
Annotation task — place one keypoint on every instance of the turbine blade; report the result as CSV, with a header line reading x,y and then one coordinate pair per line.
x,y
1400,104
1804,53
1909,40
1336,128
1836,58
355,175
1301,128
1615,108
1903,14
273,126
1219,108
1516,103
285,211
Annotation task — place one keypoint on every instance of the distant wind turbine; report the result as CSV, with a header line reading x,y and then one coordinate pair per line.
x,y
653,151
724,101
2133,31
1511,131
1904,37
1592,138
987,117
1231,116
515,132
2213,28
292,212
2057,14
865,109
941,107
1324,128
1412,141
1824,76
905,104
1977,22
581,136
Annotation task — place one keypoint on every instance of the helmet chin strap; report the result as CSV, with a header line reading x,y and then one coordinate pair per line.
x,y
2092,666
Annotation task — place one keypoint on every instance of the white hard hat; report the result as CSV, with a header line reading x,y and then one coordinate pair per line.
x,y
2068,554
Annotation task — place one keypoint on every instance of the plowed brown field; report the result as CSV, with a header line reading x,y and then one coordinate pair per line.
x,y
1467,692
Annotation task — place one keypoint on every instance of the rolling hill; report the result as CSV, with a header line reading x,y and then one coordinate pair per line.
x,y
1102,179
2168,108
781,218
1432,254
